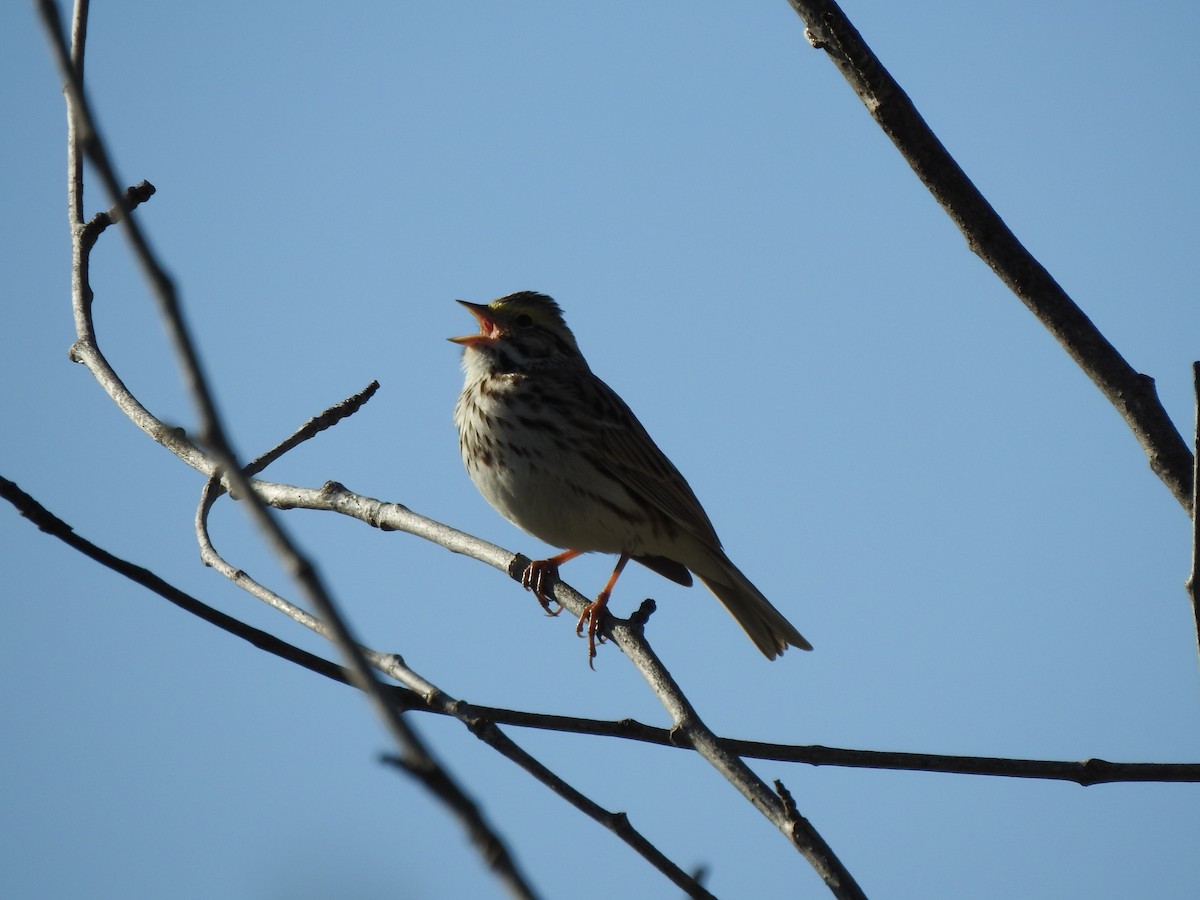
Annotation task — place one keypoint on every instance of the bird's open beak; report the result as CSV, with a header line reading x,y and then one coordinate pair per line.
x,y
488,330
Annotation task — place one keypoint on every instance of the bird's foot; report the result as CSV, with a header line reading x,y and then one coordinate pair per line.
x,y
594,610
539,576
591,616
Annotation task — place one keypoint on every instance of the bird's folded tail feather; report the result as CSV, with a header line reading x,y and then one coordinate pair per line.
x,y
765,625
667,568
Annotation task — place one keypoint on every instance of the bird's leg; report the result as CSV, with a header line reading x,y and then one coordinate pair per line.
x,y
593,611
535,575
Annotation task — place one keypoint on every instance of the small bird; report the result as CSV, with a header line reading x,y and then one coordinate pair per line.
x,y
555,451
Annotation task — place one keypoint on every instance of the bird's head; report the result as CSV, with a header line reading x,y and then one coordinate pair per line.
x,y
521,329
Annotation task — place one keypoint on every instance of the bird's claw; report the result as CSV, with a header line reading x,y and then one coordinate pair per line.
x,y
591,616
539,576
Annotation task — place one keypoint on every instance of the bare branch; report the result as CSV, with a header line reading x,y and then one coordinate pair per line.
x,y
49,523
87,140
1085,773
691,730
212,429
1130,392
395,517
302,569
418,762
1193,582
134,197
315,426
483,728
85,136
79,23
428,699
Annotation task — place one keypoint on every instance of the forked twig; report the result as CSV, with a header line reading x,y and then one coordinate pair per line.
x,y
434,699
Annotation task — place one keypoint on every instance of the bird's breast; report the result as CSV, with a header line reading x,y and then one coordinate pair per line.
x,y
538,471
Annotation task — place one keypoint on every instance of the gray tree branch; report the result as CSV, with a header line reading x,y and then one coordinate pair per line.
x,y
434,699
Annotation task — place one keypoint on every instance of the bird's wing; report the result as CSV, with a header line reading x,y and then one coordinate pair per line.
x,y
630,455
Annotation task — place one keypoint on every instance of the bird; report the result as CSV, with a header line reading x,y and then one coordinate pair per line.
x,y
558,453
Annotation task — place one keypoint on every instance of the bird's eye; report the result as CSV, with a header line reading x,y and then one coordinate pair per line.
x,y
524,320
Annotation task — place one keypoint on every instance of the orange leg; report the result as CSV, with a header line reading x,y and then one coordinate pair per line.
x,y
593,611
534,578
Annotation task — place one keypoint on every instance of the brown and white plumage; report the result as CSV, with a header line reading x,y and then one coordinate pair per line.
x,y
557,452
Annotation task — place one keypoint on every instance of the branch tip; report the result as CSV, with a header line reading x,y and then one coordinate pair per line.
x,y
642,614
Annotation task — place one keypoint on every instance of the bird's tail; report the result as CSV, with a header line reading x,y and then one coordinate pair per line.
x,y
767,627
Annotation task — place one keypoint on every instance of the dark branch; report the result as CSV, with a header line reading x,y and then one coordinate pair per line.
x,y
1193,582
1130,392
1085,773
49,523
132,198
433,778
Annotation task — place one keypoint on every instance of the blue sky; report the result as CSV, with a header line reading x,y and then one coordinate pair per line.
x,y
889,444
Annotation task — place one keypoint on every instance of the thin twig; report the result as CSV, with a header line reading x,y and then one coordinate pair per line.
x,y
314,426
1193,582
1085,772
134,197
1130,392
